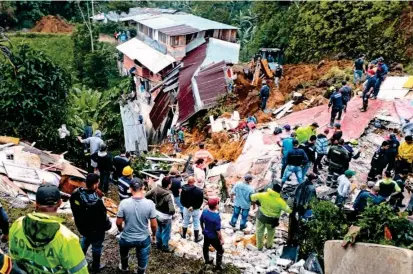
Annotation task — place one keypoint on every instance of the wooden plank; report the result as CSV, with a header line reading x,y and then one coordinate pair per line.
x,y
284,111
23,174
166,159
26,186
12,185
267,70
256,74
148,174
278,110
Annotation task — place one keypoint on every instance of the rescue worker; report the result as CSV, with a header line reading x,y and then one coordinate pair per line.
x,y
264,94
353,150
338,160
321,147
358,69
392,151
120,162
345,91
336,104
296,159
378,162
124,183
39,243
268,215
4,225
304,133
405,155
94,143
381,73
344,187
278,74
309,149
7,266
368,90
91,218
287,146
104,161
364,197
387,186
400,179
337,134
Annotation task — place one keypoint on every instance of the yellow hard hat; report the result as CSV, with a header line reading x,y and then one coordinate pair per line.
x,y
127,171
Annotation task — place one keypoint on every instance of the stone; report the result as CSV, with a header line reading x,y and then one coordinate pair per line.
x,y
283,262
251,247
249,229
229,231
382,259
260,269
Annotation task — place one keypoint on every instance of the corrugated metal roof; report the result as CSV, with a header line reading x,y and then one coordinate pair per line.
x,y
179,30
197,22
219,50
170,20
147,56
158,22
195,43
160,109
211,84
186,101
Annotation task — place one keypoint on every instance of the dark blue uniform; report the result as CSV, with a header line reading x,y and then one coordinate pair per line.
x,y
264,94
371,82
336,103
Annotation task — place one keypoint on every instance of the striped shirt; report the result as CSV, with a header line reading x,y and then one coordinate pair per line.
x,y
123,186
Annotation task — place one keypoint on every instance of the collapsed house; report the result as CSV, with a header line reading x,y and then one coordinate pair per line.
x,y
181,63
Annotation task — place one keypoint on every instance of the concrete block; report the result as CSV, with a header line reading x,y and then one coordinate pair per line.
x,y
365,258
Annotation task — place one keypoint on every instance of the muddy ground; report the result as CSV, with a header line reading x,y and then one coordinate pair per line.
x,y
159,262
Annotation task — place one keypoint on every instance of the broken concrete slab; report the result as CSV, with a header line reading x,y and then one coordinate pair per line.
x,y
382,259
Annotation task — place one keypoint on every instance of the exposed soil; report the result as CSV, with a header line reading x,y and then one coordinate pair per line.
x,y
52,24
309,79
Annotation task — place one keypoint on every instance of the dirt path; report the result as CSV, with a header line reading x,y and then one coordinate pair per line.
x,y
108,39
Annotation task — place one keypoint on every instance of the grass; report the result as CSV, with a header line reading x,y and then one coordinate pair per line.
x,y
59,47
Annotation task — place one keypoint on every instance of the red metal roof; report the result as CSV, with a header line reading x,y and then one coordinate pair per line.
x,y
160,109
211,83
179,30
186,101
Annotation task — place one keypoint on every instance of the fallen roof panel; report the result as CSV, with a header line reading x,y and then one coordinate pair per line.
x,y
147,56
211,84
160,109
186,100
219,50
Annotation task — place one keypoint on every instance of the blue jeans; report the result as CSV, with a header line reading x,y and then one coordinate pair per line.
x,y
195,218
377,86
244,217
263,103
178,204
297,170
143,249
305,169
97,245
358,76
163,234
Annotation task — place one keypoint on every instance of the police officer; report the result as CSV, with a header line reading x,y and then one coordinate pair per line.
x,y
336,104
338,161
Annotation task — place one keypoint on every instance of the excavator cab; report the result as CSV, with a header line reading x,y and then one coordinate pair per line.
x,y
272,55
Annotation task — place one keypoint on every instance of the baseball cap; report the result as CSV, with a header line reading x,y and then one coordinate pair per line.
x,y
248,177
136,184
337,125
213,201
349,173
315,124
47,195
287,127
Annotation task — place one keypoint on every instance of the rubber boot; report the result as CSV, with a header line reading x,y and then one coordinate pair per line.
x,y
219,262
184,230
96,265
198,237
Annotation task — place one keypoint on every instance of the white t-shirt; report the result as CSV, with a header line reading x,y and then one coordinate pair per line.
x,y
343,186
199,175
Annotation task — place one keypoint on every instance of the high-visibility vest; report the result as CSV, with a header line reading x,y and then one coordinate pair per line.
x,y
62,254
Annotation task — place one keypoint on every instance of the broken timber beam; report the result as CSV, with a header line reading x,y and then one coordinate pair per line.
x,y
284,111
278,110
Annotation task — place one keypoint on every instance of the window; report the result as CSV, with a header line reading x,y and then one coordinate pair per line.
x,y
175,41
162,37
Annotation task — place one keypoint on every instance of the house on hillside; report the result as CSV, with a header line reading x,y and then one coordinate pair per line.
x,y
184,62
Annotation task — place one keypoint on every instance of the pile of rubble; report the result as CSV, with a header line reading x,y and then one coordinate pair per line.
x,y
52,24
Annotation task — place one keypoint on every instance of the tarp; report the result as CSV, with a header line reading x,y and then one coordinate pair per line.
x,y
134,131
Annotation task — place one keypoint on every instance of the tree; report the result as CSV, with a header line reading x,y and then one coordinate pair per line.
x,y
5,46
32,97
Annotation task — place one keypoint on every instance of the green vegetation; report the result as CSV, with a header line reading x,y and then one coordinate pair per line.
x,y
330,223
58,47
32,96
309,31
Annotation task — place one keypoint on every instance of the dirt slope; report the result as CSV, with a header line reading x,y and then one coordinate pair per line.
x,y
52,24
